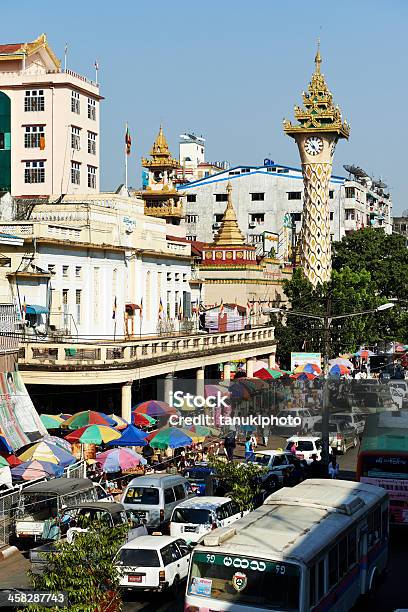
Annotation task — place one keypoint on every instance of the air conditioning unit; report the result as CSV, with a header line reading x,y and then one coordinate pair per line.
x,y
217,225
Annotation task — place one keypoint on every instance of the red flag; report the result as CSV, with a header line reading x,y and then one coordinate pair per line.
x,y
128,141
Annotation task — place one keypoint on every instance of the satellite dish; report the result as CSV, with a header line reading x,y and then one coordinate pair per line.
x,y
192,136
405,213
356,171
379,184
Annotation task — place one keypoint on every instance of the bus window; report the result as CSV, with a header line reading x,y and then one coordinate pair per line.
x,y
320,580
312,585
333,566
343,557
374,526
352,548
384,523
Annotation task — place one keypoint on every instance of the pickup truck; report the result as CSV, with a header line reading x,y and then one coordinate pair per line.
x,y
70,521
341,435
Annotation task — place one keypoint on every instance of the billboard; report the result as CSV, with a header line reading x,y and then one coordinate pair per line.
x,y
19,420
297,359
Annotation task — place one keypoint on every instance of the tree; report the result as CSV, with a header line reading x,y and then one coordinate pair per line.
x,y
241,481
85,571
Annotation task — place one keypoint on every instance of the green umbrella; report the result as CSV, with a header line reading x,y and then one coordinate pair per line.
x,y
3,462
51,421
172,437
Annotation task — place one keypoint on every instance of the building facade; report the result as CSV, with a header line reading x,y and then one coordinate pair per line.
x,y
400,225
49,124
193,165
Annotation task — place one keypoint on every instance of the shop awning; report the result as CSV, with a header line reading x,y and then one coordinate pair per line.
x,y
36,309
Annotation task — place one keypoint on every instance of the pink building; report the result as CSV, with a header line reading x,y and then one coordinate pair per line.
x,y
49,124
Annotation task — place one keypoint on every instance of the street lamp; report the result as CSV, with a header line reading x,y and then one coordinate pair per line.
x,y
327,321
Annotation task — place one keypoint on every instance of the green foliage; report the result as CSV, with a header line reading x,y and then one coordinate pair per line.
x,y
85,571
242,481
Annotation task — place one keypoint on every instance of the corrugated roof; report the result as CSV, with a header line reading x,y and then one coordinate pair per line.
x,y
10,48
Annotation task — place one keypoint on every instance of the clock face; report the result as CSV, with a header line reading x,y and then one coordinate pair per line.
x,y
313,145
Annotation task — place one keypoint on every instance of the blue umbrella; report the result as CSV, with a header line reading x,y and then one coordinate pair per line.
x,y
4,445
131,436
31,470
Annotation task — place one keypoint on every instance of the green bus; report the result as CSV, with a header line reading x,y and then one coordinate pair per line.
x,y
383,459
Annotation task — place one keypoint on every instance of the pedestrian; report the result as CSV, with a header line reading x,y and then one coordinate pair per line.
x,y
314,467
333,468
229,445
293,448
254,441
249,452
265,436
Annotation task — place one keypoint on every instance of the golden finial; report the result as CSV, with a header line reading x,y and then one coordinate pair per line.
x,y
229,233
318,58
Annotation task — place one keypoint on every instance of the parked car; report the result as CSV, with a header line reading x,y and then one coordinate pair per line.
x,y
352,419
45,500
307,419
155,563
341,436
306,447
279,465
77,519
154,497
202,479
195,517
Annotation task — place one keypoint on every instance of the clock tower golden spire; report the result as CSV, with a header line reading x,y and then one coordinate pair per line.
x,y
320,126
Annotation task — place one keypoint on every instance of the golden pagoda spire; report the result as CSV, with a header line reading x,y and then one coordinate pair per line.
x,y
229,233
318,58
161,156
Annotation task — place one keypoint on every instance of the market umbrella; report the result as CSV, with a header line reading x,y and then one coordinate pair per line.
x,y
154,408
12,460
43,451
143,420
3,462
338,370
239,391
87,417
131,436
4,445
51,421
170,437
201,431
117,459
64,416
364,353
30,470
309,368
213,390
58,442
119,422
341,361
268,374
93,434
303,376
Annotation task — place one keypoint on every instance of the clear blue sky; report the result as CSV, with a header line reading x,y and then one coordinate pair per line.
x,y
232,71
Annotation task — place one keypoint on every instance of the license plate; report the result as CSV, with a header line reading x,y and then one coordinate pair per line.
x,y
190,528
135,578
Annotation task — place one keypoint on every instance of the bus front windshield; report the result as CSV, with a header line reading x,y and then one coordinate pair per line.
x,y
270,585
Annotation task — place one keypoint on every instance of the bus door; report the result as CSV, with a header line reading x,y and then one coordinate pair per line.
x,y
362,557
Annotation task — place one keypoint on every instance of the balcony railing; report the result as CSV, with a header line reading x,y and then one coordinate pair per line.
x,y
127,353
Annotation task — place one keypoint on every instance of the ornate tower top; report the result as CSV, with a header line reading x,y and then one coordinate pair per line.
x,y
229,233
161,156
319,113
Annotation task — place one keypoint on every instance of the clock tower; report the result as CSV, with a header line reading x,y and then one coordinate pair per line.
x,y
319,128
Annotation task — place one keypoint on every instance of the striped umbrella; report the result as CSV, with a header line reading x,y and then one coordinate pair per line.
x,y
93,434
155,408
117,459
119,422
172,437
31,470
143,420
51,421
309,368
338,370
58,442
43,451
88,417
268,374
303,376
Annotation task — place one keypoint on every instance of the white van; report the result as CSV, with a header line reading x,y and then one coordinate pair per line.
x,y
195,517
306,447
154,562
153,497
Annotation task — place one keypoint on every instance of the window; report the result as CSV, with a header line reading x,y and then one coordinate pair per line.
x,y
331,216
169,497
75,138
320,580
78,305
243,170
34,100
333,567
221,197
34,172
191,198
91,143
75,107
350,192
176,304
91,109
192,218
183,547
331,194
177,277
296,216
349,214
294,195
257,218
65,297
51,268
75,173
312,586
384,523
218,218
257,197
33,137
343,562
65,271
184,277
255,238
78,271
179,492
352,548
2,141
92,177
169,277
168,305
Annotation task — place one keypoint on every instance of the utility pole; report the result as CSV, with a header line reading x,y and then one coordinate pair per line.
x,y
326,391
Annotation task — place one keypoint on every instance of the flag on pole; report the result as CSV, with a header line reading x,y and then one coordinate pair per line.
x,y
128,140
114,308
96,65
161,309
141,308
180,312
42,141
24,308
222,307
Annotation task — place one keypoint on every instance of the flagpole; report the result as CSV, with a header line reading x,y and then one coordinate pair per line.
x,y
126,159
96,71
65,56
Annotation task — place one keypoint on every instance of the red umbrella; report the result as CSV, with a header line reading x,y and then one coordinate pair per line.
x,y
12,460
155,408
303,376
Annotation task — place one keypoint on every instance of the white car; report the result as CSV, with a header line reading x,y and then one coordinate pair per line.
x,y
193,518
307,420
352,419
153,562
306,447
